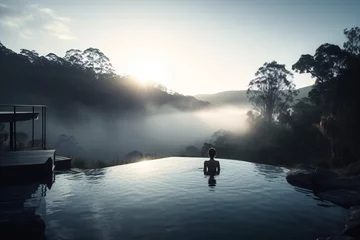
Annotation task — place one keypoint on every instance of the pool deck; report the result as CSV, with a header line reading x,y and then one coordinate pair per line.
x,y
62,163
27,165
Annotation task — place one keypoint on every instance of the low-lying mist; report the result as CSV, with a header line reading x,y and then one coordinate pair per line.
x,y
163,133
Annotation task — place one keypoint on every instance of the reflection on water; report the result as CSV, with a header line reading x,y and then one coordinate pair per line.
x,y
95,175
23,210
212,181
268,171
168,199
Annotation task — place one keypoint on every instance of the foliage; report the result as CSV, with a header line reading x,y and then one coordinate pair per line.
x,y
272,90
66,88
3,136
192,151
101,164
353,43
205,148
335,92
326,67
78,163
37,144
321,129
85,164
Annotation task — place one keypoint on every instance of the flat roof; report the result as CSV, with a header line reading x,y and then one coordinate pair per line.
x,y
19,116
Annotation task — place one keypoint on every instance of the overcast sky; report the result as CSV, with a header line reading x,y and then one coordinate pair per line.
x,y
191,46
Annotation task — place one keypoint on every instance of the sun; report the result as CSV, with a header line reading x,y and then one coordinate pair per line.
x,y
149,69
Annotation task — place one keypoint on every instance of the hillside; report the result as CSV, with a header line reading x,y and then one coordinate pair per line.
x,y
81,79
238,97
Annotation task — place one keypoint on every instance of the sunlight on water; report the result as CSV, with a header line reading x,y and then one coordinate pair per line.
x,y
170,199
144,167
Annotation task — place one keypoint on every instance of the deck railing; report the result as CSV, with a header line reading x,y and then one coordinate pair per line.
x,y
14,108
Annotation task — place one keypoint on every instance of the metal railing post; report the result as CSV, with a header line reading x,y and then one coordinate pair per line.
x,y
42,127
33,127
45,127
14,128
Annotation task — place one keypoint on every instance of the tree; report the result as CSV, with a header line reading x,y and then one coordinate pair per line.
x,y
325,66
272,90
3,136
205,148
335,92
353,44
192,151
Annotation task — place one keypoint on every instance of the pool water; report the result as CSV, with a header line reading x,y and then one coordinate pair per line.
x,y
171,199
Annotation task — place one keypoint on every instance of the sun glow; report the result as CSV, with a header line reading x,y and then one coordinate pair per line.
x,y
143,167
148,69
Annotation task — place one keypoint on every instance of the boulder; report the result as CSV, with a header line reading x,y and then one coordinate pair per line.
x,y
342,197
353,169
310,178
321,180
350,183
353,227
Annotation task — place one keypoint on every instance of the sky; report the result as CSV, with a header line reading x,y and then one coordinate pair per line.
x,y
190,46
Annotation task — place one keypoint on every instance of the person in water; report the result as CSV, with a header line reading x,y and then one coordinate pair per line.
x,y
212,167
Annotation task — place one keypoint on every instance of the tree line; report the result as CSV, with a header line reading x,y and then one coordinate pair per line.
x,y
321,128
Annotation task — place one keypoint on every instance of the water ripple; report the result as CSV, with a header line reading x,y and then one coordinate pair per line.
x,y
170,199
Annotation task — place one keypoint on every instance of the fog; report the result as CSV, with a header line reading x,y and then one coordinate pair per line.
x,y
164,132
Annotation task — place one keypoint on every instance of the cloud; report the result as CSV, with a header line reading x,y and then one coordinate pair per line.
x,y
59,29
5,10
27,33
34,21
51,13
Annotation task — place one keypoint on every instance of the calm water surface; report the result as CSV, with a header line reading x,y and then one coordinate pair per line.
x,y
170,199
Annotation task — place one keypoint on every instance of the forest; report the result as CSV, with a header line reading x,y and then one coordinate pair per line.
x,y
320,129
281,128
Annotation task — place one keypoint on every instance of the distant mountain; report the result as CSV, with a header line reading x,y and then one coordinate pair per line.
x,y
238,97
303,92
85,79
225,98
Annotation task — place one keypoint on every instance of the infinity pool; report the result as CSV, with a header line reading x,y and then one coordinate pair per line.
x,y
171,199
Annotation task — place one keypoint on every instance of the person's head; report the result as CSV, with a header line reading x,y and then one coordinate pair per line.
x,y
212,152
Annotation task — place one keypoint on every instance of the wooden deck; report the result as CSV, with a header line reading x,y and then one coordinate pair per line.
x,y
22,158
62,163
19,166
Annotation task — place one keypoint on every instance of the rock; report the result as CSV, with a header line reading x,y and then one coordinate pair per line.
x,y
311,178
341,197
351,183
353,227
306,166
353,169
320,180
354,213
352,230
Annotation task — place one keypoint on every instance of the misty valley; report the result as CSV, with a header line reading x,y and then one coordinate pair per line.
x,y
126,120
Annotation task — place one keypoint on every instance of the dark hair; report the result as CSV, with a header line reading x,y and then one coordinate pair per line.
x,y
212,152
